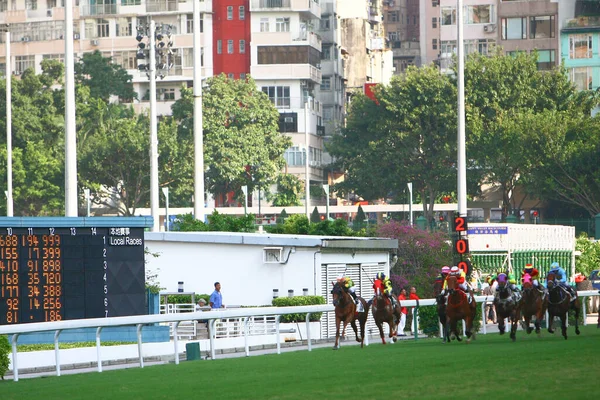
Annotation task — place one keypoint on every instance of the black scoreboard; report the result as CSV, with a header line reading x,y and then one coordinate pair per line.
x,y
81,271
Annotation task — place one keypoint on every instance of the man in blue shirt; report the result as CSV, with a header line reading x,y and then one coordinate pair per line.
x,y
216,300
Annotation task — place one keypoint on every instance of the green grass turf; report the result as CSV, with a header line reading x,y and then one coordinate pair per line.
x,y
491,367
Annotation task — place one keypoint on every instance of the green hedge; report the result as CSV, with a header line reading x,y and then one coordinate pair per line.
x,y
4,351
299,301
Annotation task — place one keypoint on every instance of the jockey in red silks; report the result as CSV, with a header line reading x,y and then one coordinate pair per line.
x,y
460,280
383,285
534,274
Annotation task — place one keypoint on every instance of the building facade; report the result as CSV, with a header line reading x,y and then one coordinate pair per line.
x,y
231,38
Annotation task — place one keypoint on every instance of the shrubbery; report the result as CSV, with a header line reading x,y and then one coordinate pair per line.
x,y
299,301
4,351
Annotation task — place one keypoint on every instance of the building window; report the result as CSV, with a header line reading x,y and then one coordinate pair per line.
x,y
219,46
242,47
434,44
434,22
279,95
514,28
282,25
242,13
188,57
393,36
541,27
288,55
324,25
580,46
393,16
264,24
60,57
435,3
479,14
326,83
229,13
230,47
230,76
24,62
29,5
168,94
581,77
546,59
448,47
102,28
448,15
294,156
242,76
189,23
123,26
126,59
326,52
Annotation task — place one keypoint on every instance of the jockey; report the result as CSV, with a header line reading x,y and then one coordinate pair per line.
x,y
382,284
561,278
513,282
460,279
534,274
348,285
441,279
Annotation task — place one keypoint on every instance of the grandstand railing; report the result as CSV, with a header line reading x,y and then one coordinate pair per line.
x,y
245,314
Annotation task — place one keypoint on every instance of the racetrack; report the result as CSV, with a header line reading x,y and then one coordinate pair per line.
x,y
491,367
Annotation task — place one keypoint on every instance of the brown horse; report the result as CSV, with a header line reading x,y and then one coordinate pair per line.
x,y
441,309
383,311
534,303
559,304
506,304
458,308
345,312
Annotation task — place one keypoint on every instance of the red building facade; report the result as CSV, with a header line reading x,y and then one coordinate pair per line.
x,y
231,38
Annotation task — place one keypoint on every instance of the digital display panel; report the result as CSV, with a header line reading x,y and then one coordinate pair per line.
x,y
53,274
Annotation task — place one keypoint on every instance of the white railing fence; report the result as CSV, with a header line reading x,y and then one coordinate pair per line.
x,y
250,321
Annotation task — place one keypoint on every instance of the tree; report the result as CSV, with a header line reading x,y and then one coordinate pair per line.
x,y
289,190
359,219
508,100
406,135
315,218
241,130
104,78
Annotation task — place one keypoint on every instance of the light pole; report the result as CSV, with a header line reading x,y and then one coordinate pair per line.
x,y
165,191
163,55
245,191
410,203
326,188
307,158
461,164
9,188
71,197
198,134
86,192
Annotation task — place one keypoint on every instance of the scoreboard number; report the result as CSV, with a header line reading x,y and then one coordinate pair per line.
x,y
460,224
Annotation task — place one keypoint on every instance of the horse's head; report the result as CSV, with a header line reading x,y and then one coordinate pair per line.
x,y
452,283
551,281
337,292
527,281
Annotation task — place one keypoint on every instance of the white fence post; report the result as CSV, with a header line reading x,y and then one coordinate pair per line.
x,y
211,333
246,333
98,330
176,341
139,339
14,359
278,334
308,332
483,317
56,352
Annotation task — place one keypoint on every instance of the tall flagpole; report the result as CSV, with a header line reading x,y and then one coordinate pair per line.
x,y
9,182
462,166
198,134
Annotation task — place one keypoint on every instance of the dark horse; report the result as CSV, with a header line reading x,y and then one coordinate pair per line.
x,y
458,308
441,309
384,311
559,304
345,311
507,306
534,303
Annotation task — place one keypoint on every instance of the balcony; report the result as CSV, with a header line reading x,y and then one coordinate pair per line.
x,y
587,24
99,9
286,71
309,38
306,6
161,5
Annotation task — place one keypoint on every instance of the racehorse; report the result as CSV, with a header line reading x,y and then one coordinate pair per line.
x,y
383,311
441,309
345,312
559,304
458,308
533,303
507,306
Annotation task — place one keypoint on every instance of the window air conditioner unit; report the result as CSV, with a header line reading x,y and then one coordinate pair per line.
x,y
489,28
273,255
25,39
288,120
49,12
76,36
94,42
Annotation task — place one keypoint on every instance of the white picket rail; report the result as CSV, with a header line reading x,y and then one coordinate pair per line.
x,y
177,318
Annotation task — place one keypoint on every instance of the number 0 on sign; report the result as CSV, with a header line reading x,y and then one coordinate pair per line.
x,y
462,246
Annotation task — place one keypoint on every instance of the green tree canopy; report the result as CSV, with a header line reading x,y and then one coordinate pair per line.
x,y
104,78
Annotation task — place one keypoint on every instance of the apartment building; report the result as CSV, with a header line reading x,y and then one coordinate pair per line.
x,y
109,26
286,64
401,20
231,38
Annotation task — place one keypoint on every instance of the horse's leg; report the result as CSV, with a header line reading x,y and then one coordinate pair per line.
x,y
362,321
380,326
563,323
337,333
577,306
550,323
513,329
353,324
392,325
